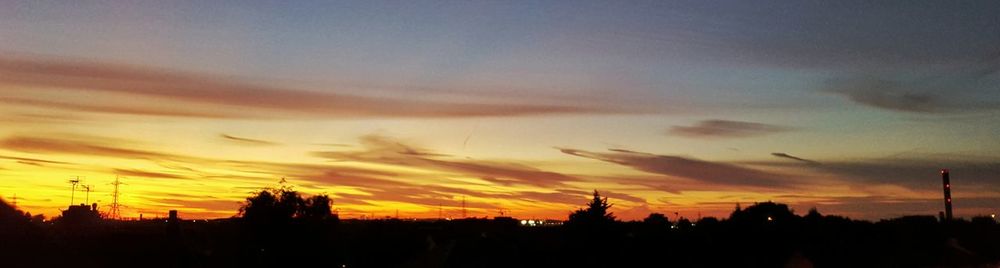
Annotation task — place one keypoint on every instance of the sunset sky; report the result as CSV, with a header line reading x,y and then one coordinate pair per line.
x,y
851,107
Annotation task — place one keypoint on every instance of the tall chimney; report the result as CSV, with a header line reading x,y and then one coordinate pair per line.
x,y
947,194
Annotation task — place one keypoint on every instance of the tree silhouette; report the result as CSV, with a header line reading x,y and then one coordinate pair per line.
x,y
316,208
656,219
10,216
683,223
813,215
596,212
282,205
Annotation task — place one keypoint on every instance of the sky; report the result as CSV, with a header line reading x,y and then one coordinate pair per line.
x,y
685,108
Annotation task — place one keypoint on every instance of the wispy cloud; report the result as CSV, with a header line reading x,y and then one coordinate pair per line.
x,y
726,129
246,141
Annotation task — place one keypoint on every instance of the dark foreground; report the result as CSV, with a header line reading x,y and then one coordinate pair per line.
x,y
810,241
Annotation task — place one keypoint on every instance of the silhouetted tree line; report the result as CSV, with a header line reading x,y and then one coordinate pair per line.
x,y
283,228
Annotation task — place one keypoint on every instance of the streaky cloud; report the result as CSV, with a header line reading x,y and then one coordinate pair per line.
x,y
967,89
215,94
247,141
147,174
717,128
118,108
917,172
32,160
911,170
63,146
890,95
796,158
383,150
720,174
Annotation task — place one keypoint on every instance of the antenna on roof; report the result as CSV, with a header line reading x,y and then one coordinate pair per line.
x,y
87,188
72,194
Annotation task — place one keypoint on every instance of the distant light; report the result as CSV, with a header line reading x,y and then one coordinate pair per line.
x,y
524,222
993,216
949,200
947,186
769,218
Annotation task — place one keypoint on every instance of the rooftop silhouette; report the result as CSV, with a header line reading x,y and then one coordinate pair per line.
x,y
280,227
